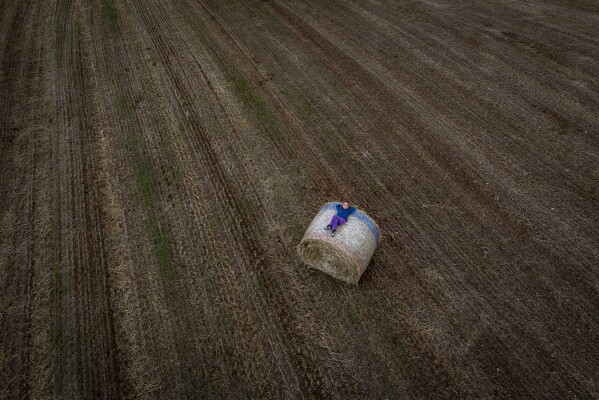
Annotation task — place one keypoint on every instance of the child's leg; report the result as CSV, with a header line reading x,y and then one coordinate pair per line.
x,y
334,222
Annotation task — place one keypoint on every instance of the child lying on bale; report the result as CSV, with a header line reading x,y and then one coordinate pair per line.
x,y
343,213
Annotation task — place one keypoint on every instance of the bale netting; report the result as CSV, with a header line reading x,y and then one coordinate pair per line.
x,y
346,255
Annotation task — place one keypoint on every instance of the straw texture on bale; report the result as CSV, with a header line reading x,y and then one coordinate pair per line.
x,y
346,255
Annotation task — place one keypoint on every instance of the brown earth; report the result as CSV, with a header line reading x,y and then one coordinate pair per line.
x,y
160,160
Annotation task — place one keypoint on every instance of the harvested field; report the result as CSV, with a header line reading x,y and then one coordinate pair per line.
x,y
160,160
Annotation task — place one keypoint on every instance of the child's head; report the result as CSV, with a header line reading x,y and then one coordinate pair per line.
x,y
345,204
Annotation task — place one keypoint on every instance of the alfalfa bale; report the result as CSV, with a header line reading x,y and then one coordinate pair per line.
x,y
346,255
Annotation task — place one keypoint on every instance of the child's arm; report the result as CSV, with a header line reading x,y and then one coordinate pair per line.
x,y
351,210
337,206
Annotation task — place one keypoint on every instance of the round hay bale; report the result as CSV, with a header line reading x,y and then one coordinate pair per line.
x,y
346,255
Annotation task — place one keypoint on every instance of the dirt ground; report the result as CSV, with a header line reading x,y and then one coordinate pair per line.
x,y
161,159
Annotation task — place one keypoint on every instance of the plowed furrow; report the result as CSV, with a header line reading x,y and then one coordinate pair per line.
x,y
240,227
293,127
23,163
200,234
160,160
86,327
182,342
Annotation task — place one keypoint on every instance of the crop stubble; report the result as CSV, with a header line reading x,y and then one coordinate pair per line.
x,y
160,160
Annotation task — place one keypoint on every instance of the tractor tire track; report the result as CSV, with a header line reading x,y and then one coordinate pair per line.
x,y
255,249
19,200
98,368
294,127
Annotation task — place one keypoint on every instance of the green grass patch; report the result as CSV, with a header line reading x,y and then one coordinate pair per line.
x,y
161,247
263,114
109,13
147,188
342,91
146,183
270,20
192,20
242,87
304,107
145,179
245,92
124,107
308,108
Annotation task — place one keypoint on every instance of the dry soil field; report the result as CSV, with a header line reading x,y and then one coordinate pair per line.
x,y
160,160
